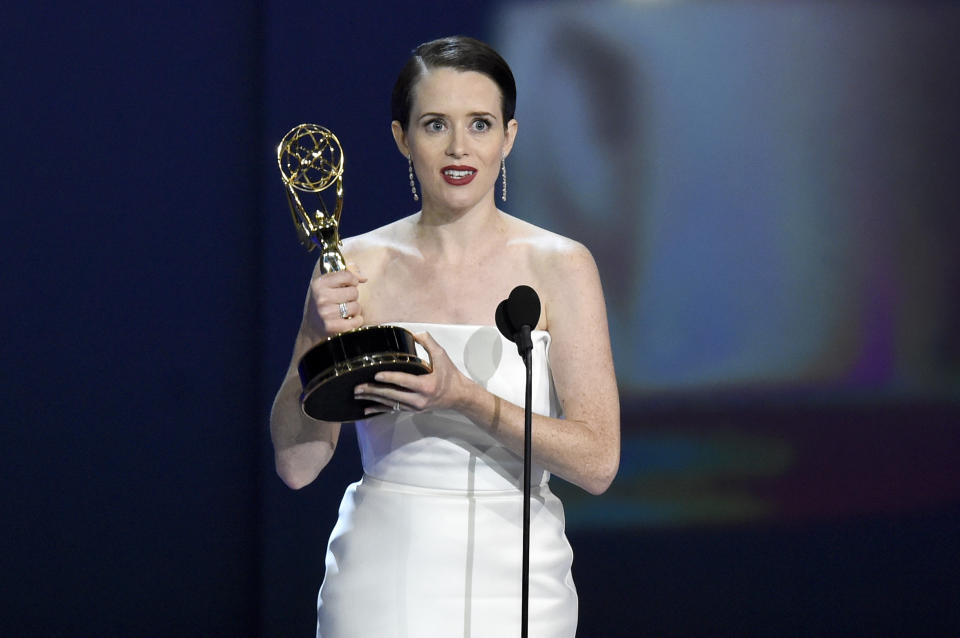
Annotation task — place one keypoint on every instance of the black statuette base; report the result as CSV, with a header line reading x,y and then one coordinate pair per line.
x,y
332,369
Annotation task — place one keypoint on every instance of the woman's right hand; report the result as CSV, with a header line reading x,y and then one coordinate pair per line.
x,y
324,313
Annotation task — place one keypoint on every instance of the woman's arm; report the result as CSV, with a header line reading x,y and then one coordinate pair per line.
x,y
583,448
303,446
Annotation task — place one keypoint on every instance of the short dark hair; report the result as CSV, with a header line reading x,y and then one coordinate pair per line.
x,y
456,52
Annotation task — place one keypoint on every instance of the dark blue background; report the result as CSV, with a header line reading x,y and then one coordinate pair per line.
x,y
151,291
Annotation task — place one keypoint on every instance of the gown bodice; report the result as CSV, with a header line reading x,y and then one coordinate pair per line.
x,y
443,449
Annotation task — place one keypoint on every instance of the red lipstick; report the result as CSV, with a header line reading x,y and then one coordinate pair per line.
x,y
458,175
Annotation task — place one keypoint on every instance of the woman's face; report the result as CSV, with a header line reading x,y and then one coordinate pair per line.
x,y
456,137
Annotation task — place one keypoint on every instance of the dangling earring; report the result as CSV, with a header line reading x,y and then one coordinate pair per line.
x,y
413,185
503,168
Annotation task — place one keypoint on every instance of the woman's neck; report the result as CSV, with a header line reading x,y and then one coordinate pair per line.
x,y
451,235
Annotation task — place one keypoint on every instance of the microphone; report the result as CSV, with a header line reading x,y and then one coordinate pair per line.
x,y
517,315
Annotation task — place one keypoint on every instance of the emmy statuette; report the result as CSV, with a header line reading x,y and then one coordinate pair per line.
x,y
311,160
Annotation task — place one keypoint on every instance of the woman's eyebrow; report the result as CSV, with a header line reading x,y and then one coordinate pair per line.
x,y
473,114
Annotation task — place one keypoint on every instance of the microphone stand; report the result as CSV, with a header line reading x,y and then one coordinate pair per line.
x,y
516,317
526,347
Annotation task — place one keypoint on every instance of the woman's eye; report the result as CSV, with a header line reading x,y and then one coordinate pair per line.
x,y
481,125
435,125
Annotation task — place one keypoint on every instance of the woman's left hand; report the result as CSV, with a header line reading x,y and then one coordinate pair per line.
x,y
443,388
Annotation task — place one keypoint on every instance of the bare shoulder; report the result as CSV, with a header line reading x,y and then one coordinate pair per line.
x,y
369,250
566,277
549,252
390,234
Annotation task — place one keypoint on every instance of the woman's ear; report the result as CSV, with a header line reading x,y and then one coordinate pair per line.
x,y
400,138
509,136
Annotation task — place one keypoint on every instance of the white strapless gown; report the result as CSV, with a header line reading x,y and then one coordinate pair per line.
x,y
428,543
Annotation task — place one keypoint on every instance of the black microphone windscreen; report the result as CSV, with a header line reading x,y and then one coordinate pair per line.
x,y
523,307
503,322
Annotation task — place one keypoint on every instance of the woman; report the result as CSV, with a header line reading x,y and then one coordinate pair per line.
x,y
428,542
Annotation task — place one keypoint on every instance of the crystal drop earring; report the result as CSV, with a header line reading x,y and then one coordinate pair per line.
x,y
413,185
503,169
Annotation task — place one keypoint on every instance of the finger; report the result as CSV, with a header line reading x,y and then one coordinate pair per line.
x,y
338,278
322,293
390,401
352,309
352,267
338,295
352,323
333,311
425,339
402,388
337,325
351,277
323,300
393,379
433,348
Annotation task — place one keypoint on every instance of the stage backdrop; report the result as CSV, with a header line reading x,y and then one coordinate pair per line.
x,y
768,190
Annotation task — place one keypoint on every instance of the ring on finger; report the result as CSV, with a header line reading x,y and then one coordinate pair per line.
x,y
396,406
343,311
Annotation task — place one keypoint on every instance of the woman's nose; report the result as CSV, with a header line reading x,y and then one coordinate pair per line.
x,y
455,147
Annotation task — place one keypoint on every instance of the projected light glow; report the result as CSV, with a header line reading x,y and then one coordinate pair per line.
x,y
762,194
769,193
